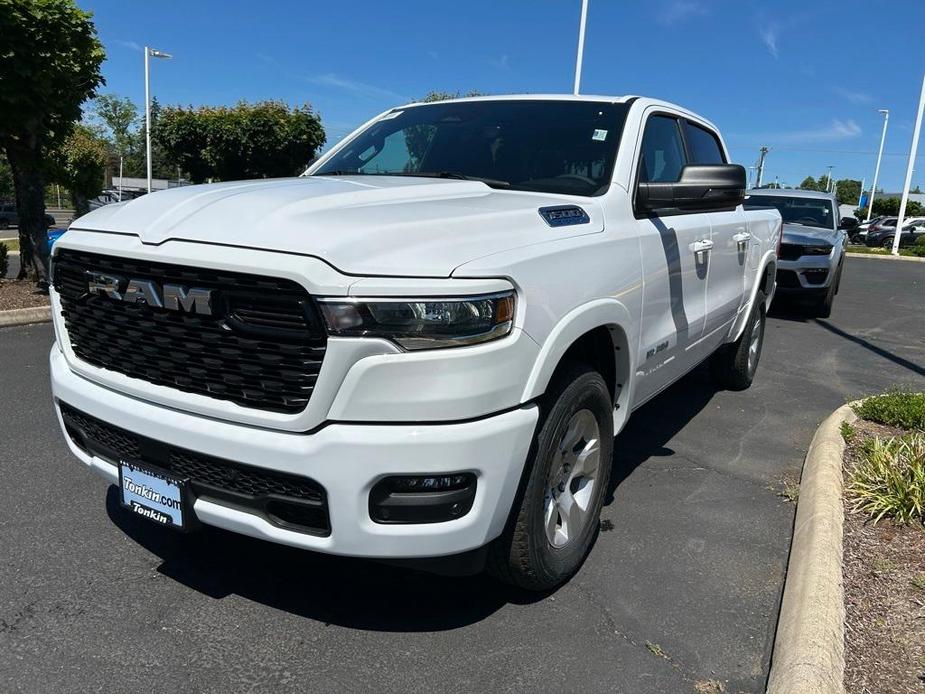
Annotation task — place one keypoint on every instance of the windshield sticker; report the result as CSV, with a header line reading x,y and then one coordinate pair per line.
x,y
599,135
393,114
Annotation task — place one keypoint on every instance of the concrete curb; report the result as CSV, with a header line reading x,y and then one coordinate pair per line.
x,y
886,257
809,649
24,316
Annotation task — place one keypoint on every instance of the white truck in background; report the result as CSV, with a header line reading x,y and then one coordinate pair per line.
x,y
422,349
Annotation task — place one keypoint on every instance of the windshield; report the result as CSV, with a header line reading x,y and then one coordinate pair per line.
x,y
811,212
548,146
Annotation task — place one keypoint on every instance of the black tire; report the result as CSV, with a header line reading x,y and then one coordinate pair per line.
x,y
887,243
4,224
730,364
824,307
524,556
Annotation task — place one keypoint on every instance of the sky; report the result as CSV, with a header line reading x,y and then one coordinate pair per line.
x,y
805,78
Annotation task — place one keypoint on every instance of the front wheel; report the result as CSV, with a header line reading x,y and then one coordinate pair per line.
x,y
555,520
887,243
734,366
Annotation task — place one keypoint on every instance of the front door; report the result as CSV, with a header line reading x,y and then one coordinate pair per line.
x,y
674,269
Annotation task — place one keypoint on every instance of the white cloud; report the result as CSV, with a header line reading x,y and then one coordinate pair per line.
x,y
502,63
769,35
369,91
680,10
836,130
853,96
131,45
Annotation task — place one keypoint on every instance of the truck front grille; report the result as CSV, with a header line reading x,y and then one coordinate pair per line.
x,y
261,347
289,501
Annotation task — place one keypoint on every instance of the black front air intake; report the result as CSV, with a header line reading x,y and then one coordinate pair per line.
x,y
261,346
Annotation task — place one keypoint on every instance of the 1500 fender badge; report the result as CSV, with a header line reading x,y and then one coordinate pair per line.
x,y
564,215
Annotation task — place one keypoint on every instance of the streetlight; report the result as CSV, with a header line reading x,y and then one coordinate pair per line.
x,y
581,44
897,237
873,189
150,53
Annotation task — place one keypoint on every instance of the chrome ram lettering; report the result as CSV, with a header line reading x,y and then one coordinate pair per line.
x,y
173,297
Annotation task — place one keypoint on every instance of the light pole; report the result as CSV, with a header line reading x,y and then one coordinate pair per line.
x,y
581,44
149,53
897,237
828,180
873,189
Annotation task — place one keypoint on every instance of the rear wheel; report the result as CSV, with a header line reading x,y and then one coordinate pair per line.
x,y
734,366
555,520
887,243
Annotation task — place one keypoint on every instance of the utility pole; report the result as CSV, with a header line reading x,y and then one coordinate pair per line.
x,y
897,237
581,44
763,153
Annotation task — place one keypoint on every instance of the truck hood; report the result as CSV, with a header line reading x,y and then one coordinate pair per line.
x,y
365,225
804,236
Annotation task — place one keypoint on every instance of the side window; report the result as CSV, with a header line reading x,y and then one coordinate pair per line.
x,y
704,146
662,151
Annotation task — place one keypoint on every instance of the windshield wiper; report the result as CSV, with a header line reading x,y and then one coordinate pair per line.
x,y
493,182
338,172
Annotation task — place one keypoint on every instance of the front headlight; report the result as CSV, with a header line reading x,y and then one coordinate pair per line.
x,y
817,250
427,323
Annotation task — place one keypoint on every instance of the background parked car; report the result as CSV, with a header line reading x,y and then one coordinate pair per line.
x,y
883,235
812,250
859,234
9,218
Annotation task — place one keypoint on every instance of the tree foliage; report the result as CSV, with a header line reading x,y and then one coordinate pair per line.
x,y
444,96
848,191
79,164
265,139
6,179
810,183
50,60
119,115
889,207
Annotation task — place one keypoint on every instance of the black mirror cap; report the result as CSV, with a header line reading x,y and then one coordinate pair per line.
x,y
848,223
702,187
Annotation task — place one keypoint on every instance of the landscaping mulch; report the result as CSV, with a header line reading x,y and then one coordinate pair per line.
x,y
20,294
884,576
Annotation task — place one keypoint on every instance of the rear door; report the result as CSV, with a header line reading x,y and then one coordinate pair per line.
x,y
730,238
674,271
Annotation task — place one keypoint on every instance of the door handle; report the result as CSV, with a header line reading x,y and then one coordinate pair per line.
x,y
741,237
702,246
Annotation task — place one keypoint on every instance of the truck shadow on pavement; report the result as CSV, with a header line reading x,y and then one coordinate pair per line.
x,y
797,312
364,594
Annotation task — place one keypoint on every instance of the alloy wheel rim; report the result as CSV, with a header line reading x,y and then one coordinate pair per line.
x,y
572,480
754,345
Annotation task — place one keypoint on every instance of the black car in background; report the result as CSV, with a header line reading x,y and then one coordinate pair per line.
x,y
9,219
883,236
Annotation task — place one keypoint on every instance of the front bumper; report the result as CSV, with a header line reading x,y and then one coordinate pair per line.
x,y
807,275
345,459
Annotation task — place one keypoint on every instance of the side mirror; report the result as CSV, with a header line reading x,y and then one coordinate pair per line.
x,y
848,223
702,187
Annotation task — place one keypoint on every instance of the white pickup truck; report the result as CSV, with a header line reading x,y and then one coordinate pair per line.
x,y
423,347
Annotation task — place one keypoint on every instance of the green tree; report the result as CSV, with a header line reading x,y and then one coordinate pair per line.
x,y
810,183
847,191
444,96
6,179
118,115
49,65
889,207
266,139
79,164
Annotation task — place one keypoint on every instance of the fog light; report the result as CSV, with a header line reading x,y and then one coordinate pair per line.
x,y
422,498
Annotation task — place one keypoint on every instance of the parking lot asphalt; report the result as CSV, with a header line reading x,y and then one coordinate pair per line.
x,y
681,590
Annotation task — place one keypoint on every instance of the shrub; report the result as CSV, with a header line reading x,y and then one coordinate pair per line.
x,y
896,408
889,481
4,260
